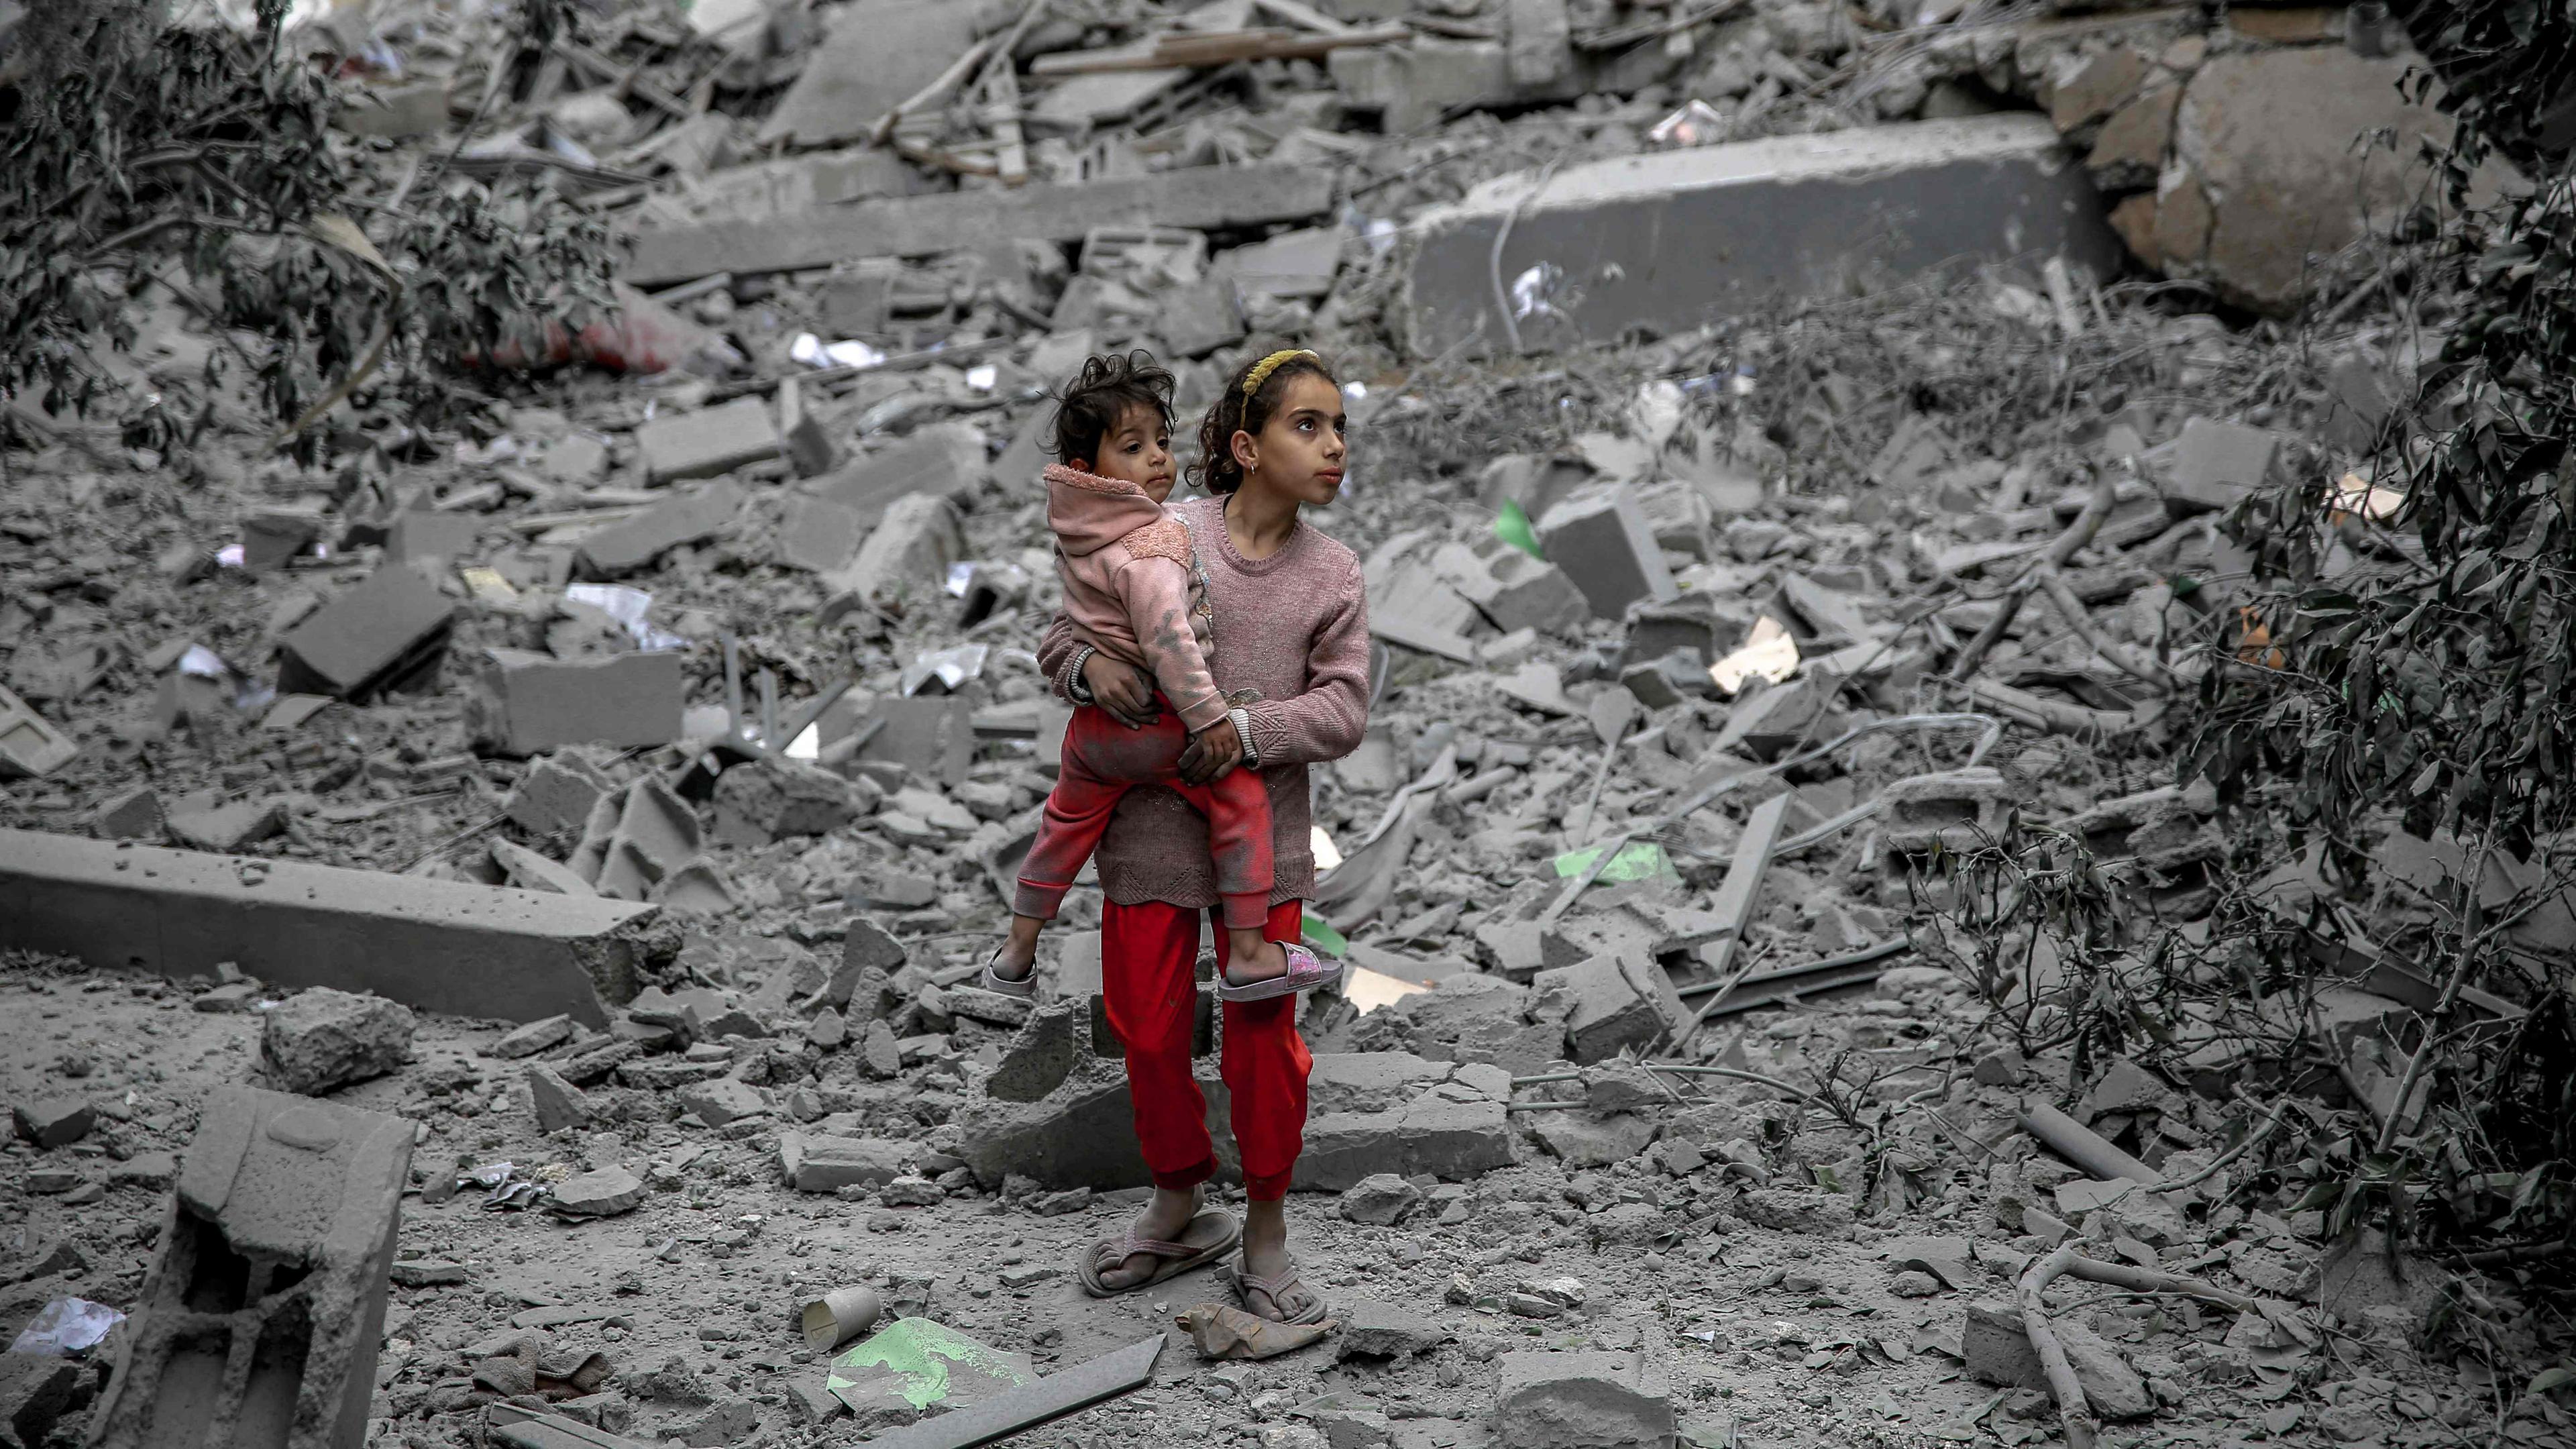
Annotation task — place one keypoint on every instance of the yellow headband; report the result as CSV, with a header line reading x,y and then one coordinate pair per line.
x,y
1261,370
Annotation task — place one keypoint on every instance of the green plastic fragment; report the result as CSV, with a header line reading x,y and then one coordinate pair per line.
x,y
924,1363
1513,527
1319,933
1637,861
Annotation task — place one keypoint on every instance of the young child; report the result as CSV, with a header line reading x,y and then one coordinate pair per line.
x,y
1133,591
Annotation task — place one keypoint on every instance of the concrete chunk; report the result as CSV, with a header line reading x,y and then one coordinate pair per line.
x,y
634,543
29,743
438,945
1582,1401
525,703
558,1104
762,802
54,1121
2216,463
872,60
371,635
1671,240
703,444
1998,1351
1954,810
909,553
319,1040
1600,538
271,1184
557,793
1198,197
1610,1003
812,1163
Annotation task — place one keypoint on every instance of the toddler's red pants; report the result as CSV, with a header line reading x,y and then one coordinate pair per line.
x,y
1146,955
1103,760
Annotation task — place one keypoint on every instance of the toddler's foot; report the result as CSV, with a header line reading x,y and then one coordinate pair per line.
x,y
1275,970
1010,972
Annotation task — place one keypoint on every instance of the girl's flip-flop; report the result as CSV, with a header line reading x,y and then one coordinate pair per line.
x,y
1210,1236
1305,972
1025,987
1276,1288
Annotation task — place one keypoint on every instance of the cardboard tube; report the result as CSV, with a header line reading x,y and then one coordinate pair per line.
x,y
839,1316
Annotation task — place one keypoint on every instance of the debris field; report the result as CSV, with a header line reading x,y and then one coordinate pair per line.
x,y
491,935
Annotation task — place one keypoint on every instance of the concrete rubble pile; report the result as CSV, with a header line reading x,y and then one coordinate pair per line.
x,y
625,787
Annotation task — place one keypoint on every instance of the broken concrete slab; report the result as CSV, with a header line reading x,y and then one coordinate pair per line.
x,y
29,743
675,447
1198,197
319,1040
557,1103
2215,463
634,543
1670,240
207,821
601,1193
1436,1134
765,801
271,1185
53,1122
437,945
371,635
525,703
908,554
1998,1351
1588,1400
872,59
557,793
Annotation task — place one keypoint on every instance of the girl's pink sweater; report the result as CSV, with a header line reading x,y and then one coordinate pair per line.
x,y
1294,628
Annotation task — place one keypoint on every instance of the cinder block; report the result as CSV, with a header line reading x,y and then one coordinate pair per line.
x,y
1670,240
258,1322
525,703
555,796
706,443
29,743
634,543
440,945
373,635
1955,810
1601,539
1611,1002
418,536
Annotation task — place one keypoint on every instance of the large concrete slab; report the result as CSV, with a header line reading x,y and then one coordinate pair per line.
x,y
486,951
1201,197
1676,239
876,57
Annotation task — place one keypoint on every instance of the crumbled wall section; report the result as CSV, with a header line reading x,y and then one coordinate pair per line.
x,y
258,1321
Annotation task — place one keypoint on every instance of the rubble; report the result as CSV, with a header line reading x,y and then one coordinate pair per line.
x,y
320,1039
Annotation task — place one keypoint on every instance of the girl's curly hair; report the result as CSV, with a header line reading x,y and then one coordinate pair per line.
x,y
1236,412
1094,402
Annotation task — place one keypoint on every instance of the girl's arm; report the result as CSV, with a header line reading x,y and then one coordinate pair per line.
x,y
1325,722
1117,687
1156,595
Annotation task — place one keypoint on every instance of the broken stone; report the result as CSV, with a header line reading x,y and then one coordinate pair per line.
x,y
722,1101
1380,1199
813,1163
558,1104
1790,1211
54,1121
1372,1328
1998,1351
1610,1003
1600,538
528,1040
767,801
319,1040
675,447
1586,1400
602,1193
525,703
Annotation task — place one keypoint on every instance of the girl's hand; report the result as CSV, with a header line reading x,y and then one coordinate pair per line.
x,y
1122,689
1211,753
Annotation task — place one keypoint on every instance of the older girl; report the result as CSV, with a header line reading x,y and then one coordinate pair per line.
x,y
1291,624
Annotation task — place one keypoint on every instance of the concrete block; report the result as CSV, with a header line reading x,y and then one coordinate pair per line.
x,y
1380,1199
525,703
2216,463
1539,41
265,1301
207,821
705,444
1998,1351
634,543
29,743
1587,1400
813,1163
1412,85
1954,810
762,802
601,1193
933,736
722,1101
907,555
54,1121
636,838
1374,1328
374,634
1610,1002
395,112
447,946
1436,1134
1511,589
36,1392
1600,538
820,535
419,537
557,794
1292,264
1671,240
558,1103
319,1040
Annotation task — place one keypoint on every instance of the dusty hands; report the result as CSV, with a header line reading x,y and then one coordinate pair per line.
x,y
1122,689
1212,752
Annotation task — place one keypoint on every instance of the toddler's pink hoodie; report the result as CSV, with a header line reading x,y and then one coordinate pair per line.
x,y
1130,588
